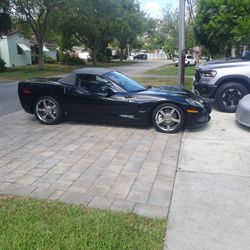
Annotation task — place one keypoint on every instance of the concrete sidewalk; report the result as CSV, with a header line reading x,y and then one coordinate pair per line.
x,y
210,207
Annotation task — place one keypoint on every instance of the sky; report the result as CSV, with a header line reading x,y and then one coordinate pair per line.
x,y
153,7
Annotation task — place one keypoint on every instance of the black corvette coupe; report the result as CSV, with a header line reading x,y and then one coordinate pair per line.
x,y
104,95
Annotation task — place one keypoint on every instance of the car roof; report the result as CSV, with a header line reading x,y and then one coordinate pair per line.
x,y
70,78
96,71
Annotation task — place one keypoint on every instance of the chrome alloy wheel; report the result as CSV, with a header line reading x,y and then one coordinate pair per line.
x,y
168,118
46,110
231,97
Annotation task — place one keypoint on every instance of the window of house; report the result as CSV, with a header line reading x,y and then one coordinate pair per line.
x,y
19,50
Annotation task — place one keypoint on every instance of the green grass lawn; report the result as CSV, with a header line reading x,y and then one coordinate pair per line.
x,y
171,70
154,81
32,224
25,72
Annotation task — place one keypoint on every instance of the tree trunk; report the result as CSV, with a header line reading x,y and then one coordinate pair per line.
x,y
121,55
40,54
94,54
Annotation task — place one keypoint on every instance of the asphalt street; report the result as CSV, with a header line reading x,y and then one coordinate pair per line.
x,y
9,101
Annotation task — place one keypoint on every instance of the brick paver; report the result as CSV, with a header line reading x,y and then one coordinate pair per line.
x,y
103,166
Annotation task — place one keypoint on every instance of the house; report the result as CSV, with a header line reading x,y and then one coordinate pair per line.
x,y
15,49
49,50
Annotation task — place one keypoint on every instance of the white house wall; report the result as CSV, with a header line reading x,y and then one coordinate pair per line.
x,y
4,51
15,58
51,54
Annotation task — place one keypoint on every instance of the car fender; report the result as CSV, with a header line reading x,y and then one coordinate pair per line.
x,y
162,101
240,78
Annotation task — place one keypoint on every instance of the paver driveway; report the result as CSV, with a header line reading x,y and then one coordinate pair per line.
x,y
103,166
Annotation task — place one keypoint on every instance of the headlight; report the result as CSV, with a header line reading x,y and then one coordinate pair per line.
x,y
210,73
195,102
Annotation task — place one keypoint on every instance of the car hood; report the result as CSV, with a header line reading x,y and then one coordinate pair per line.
x,y
215,64
172,91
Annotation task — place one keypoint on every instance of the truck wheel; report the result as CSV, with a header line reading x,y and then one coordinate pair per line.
x,y
228,96
47,110
168,118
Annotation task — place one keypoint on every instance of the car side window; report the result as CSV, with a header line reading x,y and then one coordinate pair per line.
x,y
92,83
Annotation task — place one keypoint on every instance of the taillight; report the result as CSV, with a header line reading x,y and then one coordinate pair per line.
x,y
27,91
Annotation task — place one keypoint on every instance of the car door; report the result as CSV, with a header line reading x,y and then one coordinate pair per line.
x,y
93,98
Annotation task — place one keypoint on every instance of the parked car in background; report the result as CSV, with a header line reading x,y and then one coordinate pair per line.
x,y
227,81
203,59
141,57
242,115
189,60
104,95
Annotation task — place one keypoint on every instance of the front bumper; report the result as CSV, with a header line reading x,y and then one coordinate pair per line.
x,y
204,90
196,120
200,118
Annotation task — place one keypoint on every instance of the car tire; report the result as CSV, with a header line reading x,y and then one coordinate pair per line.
x,y
168,118
47,110
228,96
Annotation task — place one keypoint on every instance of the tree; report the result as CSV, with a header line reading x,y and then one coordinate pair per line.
x,y
129,24
91,23
155,39
35,14
220,24
5,21
170,28
163,33
190,40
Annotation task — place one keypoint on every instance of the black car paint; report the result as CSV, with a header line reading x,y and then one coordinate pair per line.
x,y
134,108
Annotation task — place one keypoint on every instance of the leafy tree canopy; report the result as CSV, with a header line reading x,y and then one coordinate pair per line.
x,y
129,23
219,24
35,14
5,20
164,32
97,23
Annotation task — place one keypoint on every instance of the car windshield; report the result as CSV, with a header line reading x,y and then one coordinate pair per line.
x,y
125,82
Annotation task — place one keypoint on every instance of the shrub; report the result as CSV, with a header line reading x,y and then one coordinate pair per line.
x,y
101,57
49,60
71,60
2,65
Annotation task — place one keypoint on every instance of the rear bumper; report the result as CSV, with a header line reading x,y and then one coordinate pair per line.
x,y
26,101
204,90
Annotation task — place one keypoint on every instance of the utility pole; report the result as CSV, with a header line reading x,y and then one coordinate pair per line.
x,y
181,48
